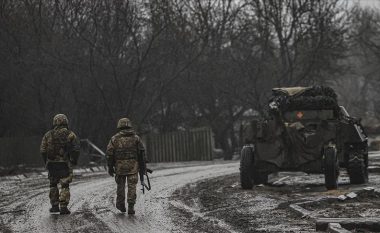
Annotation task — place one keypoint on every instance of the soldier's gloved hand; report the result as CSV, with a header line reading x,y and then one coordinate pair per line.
x,y
74,158
44,157
111,171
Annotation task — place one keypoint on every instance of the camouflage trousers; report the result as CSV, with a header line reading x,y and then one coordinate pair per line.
x,y
131,196
60,197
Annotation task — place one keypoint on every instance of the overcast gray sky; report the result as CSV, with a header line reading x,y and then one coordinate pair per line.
x,y
371,3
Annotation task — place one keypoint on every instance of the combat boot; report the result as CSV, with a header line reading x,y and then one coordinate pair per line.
x,y
131,208
121,208
54,209
64,210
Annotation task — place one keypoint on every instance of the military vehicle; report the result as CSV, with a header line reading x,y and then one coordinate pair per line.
x,y
305,130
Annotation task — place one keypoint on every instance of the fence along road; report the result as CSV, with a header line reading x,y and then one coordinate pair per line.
x,y
196,144
193,145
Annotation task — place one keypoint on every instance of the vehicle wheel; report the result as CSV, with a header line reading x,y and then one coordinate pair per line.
x,y
357,171
260,178
246,167
331,168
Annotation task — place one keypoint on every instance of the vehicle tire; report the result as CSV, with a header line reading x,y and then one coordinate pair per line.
x,y
246,167
357,171
260,178
331,168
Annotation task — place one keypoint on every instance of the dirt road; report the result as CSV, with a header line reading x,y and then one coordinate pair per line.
x,y
24,204
196,198
220,205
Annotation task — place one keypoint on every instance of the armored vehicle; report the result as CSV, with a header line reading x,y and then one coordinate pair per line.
x,y
305,130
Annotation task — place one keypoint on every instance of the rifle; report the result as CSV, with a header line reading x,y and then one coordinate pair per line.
x,y
143,184
143,171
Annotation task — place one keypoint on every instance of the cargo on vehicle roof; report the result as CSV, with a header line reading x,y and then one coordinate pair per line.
x,y
303,98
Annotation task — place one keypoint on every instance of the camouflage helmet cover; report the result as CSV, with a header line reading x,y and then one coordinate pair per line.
x,y
124,123
60,119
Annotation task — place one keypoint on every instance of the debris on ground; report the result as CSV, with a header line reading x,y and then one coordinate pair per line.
x,y
292,207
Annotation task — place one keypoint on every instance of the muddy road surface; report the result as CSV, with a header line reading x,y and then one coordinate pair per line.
x,y
24,204
220,205
196,198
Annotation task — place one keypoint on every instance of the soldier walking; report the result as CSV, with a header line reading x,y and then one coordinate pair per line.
x,y
60,151
123,151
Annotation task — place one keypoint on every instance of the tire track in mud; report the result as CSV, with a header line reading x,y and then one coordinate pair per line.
x,y
36,217
220,205
152,208
92,204
257,210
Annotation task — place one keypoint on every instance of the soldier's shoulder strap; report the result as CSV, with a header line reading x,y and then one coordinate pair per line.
x,y
116,137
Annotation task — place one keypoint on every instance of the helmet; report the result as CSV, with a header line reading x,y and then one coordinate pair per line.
x,y
124,123
60,119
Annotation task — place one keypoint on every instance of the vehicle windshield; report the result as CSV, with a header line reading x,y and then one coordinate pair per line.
x,y
302,115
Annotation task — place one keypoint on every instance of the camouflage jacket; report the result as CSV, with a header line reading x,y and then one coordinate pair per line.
x,y
60,145
123,150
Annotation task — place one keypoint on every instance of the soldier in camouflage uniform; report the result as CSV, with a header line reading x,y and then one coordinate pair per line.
x,y
60,145
122,157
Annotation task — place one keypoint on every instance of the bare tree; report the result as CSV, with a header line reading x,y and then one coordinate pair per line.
x,y
168,65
